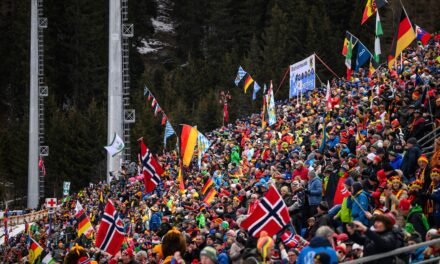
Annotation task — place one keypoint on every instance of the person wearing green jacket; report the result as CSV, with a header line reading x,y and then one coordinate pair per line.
x,y
235,155
344,213
201,221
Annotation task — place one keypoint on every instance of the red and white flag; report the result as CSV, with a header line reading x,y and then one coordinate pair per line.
x,y
328,97
271,215
290,240
111,231
150,167
41,166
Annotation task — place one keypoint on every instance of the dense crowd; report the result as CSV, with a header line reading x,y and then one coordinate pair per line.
x,y
356,173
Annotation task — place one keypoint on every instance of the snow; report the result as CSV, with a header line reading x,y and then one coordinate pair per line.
x,y
161,26
149,46
13,231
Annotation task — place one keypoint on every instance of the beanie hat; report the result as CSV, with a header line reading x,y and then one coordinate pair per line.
x,y
404,204
129,252
264,244
209,252
422,158
435,172
225,225
349,181
323,206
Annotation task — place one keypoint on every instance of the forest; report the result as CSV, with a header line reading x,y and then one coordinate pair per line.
x,y
185,52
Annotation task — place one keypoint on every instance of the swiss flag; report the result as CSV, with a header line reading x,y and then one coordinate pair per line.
x,y
271,215
111,231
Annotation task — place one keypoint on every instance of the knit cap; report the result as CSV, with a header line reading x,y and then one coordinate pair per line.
x,y
209,252
264,244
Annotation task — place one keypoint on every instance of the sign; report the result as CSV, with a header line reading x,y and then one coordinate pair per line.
x,y
51,203
302,76
66,188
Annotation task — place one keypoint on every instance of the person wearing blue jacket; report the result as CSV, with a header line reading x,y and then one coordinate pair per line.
x,y
359,206
314,192
156,219
395,160
321,243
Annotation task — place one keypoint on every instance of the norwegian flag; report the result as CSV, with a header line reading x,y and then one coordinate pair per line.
x,y
271,215
290,240
150,167
111,230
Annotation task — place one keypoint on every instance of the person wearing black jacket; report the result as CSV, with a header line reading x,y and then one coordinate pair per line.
x,y
322,218
409,164
383,239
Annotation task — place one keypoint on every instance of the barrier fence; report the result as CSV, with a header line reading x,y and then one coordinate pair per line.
x,y
21,219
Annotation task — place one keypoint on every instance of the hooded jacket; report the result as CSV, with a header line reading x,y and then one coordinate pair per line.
x,y
317,245
417,219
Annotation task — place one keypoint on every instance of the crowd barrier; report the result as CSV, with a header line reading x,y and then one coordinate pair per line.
x,y
22,219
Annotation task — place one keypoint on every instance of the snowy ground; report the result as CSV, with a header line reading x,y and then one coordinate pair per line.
x,y
13,231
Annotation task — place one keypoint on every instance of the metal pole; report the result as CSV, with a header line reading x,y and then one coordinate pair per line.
x,y
115,109
33,185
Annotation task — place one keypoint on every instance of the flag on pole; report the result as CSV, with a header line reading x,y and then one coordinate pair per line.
x,y
210,196
84,225
363,55
256,89
270,215
271,106
207,185
150,167
169,131
164,119
422,35
348,37
111,230
348,55
116,146
180,179
34,251
188,143
240,74
248,82
328,97
379,33
203,145
371,8
402,38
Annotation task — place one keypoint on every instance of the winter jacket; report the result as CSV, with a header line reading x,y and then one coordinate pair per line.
x,y
397,162
409,163
155,221
376,243
435,197
344,213
315,191
356,211
317,245
417,220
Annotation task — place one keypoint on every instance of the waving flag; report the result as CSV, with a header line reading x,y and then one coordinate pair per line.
x,y
34,251
111,231
371,8
169,131
151,168
116,146
248,82
290,240
271,215
84,225
188,139
240,74
256,89
328,97
379,33
422,35
403,37
207,185
210,196
363,55
203,145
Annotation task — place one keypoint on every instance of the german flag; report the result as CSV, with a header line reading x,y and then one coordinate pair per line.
x,y
403,37
188,140
210,196
84,225
371,8
248,82
34,251
207,185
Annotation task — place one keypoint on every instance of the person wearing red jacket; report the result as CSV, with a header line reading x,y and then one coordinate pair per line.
x,y
301,171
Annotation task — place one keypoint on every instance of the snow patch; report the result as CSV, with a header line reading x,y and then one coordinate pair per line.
x,y
161,26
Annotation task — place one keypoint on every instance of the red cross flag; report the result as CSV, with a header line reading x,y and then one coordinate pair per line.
x,y
51,202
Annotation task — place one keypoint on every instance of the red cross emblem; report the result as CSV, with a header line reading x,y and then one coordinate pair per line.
x,y
51,202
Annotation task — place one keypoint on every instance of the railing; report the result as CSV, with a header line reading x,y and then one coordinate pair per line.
x,y
21,219
398,251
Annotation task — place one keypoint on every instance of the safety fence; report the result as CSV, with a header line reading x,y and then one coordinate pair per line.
x,y
399,251
26,218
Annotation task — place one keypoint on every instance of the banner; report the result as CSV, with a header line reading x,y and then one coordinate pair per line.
x,y
302,76
271,106
66,188
116,146
203,145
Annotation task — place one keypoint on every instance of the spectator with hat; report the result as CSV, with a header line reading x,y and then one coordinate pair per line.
x,y
409,163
